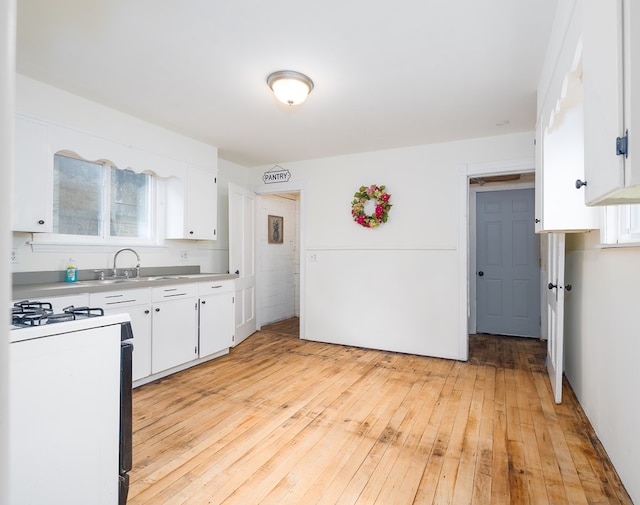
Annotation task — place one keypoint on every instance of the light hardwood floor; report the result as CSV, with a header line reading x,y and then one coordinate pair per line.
x,y
285,421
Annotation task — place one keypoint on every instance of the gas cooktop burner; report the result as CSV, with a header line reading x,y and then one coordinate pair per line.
x,y
28,313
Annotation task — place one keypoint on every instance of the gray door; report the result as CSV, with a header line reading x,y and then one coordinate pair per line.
x,y
507,264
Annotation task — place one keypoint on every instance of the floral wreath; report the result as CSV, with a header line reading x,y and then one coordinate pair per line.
x,y
361,197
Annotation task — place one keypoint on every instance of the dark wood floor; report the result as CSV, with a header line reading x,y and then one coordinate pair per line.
x,y
285,421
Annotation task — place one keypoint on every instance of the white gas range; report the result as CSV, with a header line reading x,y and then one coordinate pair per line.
x,y
69,406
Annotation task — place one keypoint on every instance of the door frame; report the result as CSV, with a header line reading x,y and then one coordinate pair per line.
x,y
466,254
274,189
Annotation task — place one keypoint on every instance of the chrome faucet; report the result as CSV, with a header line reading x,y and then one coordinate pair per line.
x,y
115,257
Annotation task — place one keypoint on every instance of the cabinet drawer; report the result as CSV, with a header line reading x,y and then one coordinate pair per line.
x,y
124,298
162,293
213,287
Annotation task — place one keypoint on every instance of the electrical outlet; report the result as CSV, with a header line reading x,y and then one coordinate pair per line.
x,y
184,255
14,256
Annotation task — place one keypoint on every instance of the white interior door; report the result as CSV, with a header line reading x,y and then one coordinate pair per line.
x,y
555,320
242,261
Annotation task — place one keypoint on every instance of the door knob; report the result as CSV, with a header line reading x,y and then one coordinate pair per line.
x,y
480,273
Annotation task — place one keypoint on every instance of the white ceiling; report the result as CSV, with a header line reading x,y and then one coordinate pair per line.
x,y
387,74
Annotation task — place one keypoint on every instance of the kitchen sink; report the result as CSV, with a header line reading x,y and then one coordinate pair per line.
x,y
101,282
164,277
150,278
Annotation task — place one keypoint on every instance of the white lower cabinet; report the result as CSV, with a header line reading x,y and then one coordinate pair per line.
x,y
217,323
137,303
174,326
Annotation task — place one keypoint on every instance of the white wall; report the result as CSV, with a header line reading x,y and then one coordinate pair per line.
x,y
277,263
602,346
37,100
394,287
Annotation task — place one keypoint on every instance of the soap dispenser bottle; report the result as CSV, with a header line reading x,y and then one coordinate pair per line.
x,y
72,271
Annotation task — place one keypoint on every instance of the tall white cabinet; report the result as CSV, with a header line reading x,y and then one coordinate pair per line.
x,y
560,160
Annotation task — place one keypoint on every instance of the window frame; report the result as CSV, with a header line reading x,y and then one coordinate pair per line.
x,y
616,230
50,241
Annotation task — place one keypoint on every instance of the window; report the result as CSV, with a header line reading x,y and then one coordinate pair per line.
x,y
97,200
622,225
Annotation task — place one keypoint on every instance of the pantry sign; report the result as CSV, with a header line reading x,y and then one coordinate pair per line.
x,y
276,174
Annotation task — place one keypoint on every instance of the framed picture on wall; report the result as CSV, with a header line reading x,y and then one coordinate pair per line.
x,y
276,230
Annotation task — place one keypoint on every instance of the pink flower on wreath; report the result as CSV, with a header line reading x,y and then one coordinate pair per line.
x,y
360,219
371,189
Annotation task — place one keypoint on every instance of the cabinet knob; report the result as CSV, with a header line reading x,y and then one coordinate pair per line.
x,y
537,220
41,221
237,272
580,183
551,285
203,302
568,287
191,232
146,311
157,309
480,273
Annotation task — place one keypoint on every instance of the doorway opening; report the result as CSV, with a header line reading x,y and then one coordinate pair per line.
x,y
278,257
474,178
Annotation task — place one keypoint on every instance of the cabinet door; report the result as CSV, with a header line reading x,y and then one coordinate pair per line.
x,y
559,163
202,204
631,98
608,106
141,326
136,303
192,206
33,179
175,337
216,323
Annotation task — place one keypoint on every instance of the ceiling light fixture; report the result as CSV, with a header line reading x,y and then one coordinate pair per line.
x,y
291,88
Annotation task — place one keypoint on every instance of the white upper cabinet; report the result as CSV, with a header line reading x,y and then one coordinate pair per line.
x,y
611,65
560,131
33,179
192,207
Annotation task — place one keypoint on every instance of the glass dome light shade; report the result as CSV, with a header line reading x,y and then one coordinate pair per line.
x,y
291,88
